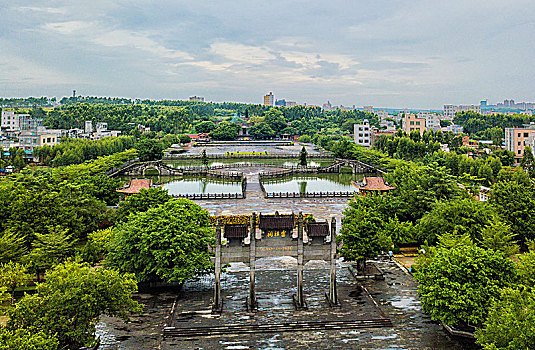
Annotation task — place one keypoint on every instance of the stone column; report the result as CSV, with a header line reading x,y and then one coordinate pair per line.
x,y
217,306
333,293
251,301
300,297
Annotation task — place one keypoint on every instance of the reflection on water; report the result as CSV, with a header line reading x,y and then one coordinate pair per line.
x,y
195,185
308,183
180,163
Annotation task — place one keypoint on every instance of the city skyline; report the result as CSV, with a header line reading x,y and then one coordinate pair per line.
x,y
404,54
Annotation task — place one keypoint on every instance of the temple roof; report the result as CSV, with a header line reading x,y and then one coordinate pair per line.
x,y
235,231
276,222
317,229
136,185
375,184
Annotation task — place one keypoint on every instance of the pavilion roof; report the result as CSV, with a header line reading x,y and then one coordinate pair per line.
x,y
375,184
235,231
317,229
136,185
280,222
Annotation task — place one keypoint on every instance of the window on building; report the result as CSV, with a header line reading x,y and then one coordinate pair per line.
x,y
412,123
519,151
519,143
519,134
48,139
417,123
525,134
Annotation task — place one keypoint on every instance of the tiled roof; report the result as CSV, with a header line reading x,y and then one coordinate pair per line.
x,y
276,222
136,185
375,184
317,229
235,231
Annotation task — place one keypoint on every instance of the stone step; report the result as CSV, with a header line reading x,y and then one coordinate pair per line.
x,y
191,332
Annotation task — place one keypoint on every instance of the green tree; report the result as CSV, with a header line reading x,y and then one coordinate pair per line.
x,y
149,149
461,215
12,246
303,156
184,138
24,339
262,131
205,126
401,233
305,139
498,236
528,161
96,246
168,243
457,284
225,131
360,233
204,158
71,301
274,118
510,322
526,268
13,276
141,202
515,200
51,249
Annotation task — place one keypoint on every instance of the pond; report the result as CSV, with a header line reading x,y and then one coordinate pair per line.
x,y
308,183
196,185
180,163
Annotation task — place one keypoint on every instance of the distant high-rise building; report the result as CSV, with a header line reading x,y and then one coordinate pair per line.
x,y
196,99
281,103
269,99
327,106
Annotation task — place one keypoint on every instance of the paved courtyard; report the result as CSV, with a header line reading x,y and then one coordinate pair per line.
x,y
396,297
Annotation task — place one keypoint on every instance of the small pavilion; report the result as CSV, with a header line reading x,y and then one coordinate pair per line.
x,y
374,185
136,185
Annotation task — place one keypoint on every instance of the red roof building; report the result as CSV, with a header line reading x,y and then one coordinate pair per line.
x,y
375,185
136,185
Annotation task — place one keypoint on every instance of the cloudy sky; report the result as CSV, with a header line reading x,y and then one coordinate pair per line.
x,y
396,53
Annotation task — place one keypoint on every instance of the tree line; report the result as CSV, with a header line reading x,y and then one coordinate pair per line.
x,y
477,258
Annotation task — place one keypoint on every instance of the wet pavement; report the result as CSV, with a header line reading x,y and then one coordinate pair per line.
x,y
320,208
276,283
396,297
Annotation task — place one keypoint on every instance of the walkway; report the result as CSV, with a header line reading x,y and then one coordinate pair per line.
x,y
396,295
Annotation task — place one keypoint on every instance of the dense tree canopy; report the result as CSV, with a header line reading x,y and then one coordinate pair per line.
x,y
458,284
168,243
68,304
510,323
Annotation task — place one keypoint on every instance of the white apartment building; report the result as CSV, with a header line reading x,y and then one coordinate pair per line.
x,y
432,120
450,110
11,121
363,134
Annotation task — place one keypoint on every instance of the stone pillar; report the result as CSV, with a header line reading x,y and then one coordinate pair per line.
x,y
333,293
251,301
217,306
300,250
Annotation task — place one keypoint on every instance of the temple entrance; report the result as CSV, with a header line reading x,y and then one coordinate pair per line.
x,y
277,236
